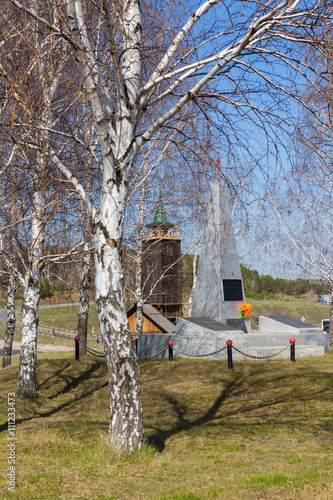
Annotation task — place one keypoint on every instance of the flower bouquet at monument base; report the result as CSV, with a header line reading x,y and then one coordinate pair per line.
x,y
245,310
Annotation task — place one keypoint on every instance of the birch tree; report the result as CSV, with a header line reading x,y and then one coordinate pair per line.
x,y
12,279
236,44
86,267
302,231
34,120
305,218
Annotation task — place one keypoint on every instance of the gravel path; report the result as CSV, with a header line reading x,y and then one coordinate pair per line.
x,y
41,329
47,329
41,347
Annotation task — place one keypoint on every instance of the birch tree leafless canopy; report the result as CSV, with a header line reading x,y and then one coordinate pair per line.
x,y
302,226
303,206
27,118
236,53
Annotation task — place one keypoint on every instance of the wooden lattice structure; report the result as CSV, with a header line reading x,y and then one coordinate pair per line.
x,y
161,266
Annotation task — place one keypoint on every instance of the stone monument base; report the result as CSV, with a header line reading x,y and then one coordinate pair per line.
x,y
200,336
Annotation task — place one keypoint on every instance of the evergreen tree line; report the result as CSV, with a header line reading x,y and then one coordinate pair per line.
x,y
261,286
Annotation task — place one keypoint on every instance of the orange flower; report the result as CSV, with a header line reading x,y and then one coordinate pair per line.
x,y
245,309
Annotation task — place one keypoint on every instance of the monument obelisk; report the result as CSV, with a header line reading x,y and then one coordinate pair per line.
x,y
219,291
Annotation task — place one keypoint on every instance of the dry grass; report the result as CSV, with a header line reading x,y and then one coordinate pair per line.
x,y
43,338
66,317
261,431
295,308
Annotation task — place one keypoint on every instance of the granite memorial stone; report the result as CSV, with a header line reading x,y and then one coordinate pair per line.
x,y
219,291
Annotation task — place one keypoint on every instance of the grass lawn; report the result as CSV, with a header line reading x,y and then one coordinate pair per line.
x,y
295,308
262,431
43,338
66,317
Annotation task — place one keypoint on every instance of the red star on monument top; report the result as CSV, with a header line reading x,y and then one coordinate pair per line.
x,y
218,163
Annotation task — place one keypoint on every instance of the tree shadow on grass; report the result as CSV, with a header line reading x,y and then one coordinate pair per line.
x,y
70,384
235,387
158,439
50,378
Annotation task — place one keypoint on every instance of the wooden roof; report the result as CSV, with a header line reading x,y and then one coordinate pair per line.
x,y
163,324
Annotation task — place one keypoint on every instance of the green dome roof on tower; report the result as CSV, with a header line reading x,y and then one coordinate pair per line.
x,y
160,216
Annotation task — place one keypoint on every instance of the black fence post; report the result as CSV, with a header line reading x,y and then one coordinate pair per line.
x,y
292,349
77,346
229,351
170,345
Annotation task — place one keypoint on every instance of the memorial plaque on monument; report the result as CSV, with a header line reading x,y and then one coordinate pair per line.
x,y
238,323
232,290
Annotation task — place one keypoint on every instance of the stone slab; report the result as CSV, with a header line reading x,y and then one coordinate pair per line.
x,y
266,339
208,323
296,323
204,327
279,324
238,323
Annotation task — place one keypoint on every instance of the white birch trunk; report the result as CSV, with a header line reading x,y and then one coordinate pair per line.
x,y
138,277
116,127
194,284
12,283
138,280
26,384
331,318
82,322
138,291
126,425
11,321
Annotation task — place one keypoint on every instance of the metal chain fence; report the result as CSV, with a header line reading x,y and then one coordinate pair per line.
x,y
91,351
199,355
155,355
98,354
259,357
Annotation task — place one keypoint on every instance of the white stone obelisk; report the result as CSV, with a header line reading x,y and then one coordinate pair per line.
x,y
219,291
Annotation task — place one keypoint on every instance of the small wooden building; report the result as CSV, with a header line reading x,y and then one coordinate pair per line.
x,y
153,321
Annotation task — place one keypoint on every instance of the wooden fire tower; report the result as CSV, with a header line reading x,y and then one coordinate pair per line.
x,y
161,266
